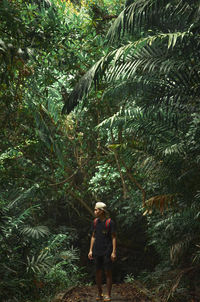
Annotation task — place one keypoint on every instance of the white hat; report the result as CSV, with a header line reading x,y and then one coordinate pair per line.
x,y
100,206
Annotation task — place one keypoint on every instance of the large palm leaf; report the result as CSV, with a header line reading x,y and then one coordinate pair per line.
x,y
153,14
35,232
124,63
149,54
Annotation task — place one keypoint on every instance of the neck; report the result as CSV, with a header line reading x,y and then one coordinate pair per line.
x,y
102,217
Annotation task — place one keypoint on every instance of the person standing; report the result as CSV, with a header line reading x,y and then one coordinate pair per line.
x,y
103,248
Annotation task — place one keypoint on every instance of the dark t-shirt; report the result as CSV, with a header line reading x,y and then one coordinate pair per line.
x,y
103,238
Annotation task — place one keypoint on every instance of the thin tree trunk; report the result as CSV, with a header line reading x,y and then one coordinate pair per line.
x,y
133,180
82,202
119,169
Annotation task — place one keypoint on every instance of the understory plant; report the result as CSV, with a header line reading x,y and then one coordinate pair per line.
x,y
34,261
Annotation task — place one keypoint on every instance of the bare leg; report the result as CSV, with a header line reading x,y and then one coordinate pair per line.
x,y
109,281
99,280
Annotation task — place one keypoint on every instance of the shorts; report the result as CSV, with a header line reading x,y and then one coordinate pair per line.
x,y
103,262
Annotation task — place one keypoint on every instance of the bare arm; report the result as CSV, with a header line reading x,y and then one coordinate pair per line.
x,y
90,256
114,243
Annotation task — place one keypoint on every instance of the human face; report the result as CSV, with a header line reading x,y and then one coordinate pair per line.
x,y
97,212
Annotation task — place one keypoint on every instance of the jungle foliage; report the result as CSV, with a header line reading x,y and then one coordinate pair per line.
x,y
125,75
150,85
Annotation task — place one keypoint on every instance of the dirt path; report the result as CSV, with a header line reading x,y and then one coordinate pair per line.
x,y
120,293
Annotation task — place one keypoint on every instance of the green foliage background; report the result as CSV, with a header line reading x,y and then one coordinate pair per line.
x,y
127,75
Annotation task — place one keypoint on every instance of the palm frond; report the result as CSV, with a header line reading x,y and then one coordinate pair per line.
x,y
23,195
196,255
142,122
151,166
25,214
35,232
70,254
177,249
177,148
133,14
160,202
38,264
45,132
145,57
124,63
148,14
83,86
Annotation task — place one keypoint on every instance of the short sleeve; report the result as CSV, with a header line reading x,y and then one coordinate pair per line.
x,y
112,227
92,227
